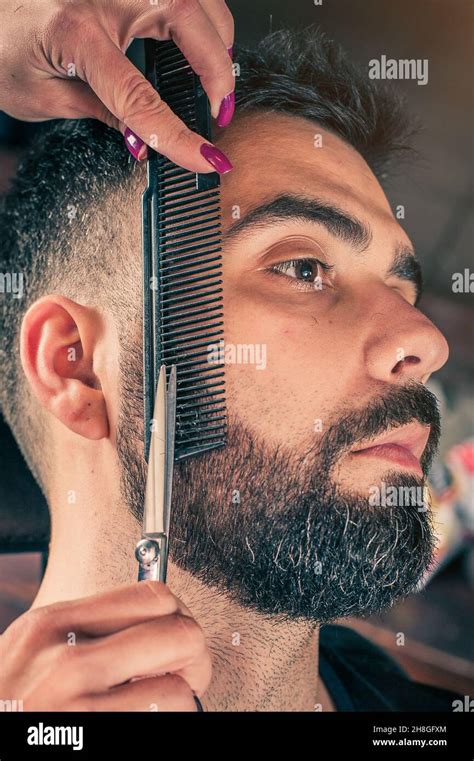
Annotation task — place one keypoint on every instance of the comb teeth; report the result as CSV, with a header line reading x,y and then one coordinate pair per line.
x,y
183,316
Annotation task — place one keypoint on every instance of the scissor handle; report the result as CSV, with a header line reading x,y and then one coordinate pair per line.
x,y
151,555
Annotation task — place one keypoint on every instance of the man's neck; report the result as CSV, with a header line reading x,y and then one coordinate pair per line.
x,y
259,663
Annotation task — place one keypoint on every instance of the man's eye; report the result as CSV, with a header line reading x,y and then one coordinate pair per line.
x,y
308,272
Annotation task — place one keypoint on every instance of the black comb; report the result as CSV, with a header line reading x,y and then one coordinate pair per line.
x,y
182,268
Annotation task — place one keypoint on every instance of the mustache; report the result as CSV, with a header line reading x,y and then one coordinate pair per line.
x,y
395,408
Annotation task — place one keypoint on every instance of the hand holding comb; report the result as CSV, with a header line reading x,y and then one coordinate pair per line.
x,y
182,306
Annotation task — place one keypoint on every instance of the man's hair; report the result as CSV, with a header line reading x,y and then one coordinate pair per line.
x,y
305,73
64,221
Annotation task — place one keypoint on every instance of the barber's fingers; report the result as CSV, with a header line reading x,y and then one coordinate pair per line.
x,y
108,612
204,32
196,35
63,42
132,100
168,644
132,633
222,18
165,693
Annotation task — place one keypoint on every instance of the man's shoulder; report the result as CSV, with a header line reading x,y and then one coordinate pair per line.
x,y
361,676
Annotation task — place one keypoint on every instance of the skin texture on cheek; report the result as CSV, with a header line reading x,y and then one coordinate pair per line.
x,y
291,400
265,397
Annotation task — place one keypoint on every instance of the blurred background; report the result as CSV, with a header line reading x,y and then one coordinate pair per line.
x,y
437,623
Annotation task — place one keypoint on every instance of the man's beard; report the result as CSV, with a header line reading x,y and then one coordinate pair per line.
x,y
272,530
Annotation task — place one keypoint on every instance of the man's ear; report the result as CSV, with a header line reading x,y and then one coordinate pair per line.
x,y
57,344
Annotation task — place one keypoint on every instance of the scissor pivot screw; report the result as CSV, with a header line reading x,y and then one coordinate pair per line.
x,y
147,551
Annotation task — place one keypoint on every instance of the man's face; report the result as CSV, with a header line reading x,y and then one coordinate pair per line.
x,y
325,355
332,346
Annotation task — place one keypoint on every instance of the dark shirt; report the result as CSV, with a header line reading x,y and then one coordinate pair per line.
x,y
360,676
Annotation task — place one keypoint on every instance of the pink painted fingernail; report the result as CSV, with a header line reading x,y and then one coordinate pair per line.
x,y
216,158
230,51
135,145
226,110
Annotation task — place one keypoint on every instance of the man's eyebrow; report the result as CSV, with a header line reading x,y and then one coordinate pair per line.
x,y
294,207
339,223
407,267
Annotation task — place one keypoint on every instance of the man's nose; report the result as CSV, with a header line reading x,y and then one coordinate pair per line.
x,y
403,344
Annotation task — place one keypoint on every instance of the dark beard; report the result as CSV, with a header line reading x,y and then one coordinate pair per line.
x,y
276,534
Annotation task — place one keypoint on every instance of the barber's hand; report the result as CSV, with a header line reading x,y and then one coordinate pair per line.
x,y
138,630
63,59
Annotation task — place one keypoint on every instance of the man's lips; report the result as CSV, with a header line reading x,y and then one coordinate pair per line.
x,y
403,446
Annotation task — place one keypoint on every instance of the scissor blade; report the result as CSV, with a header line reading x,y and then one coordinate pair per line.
x,y
170,436
155,494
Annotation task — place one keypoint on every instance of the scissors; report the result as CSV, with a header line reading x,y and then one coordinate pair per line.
x,y
151,551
